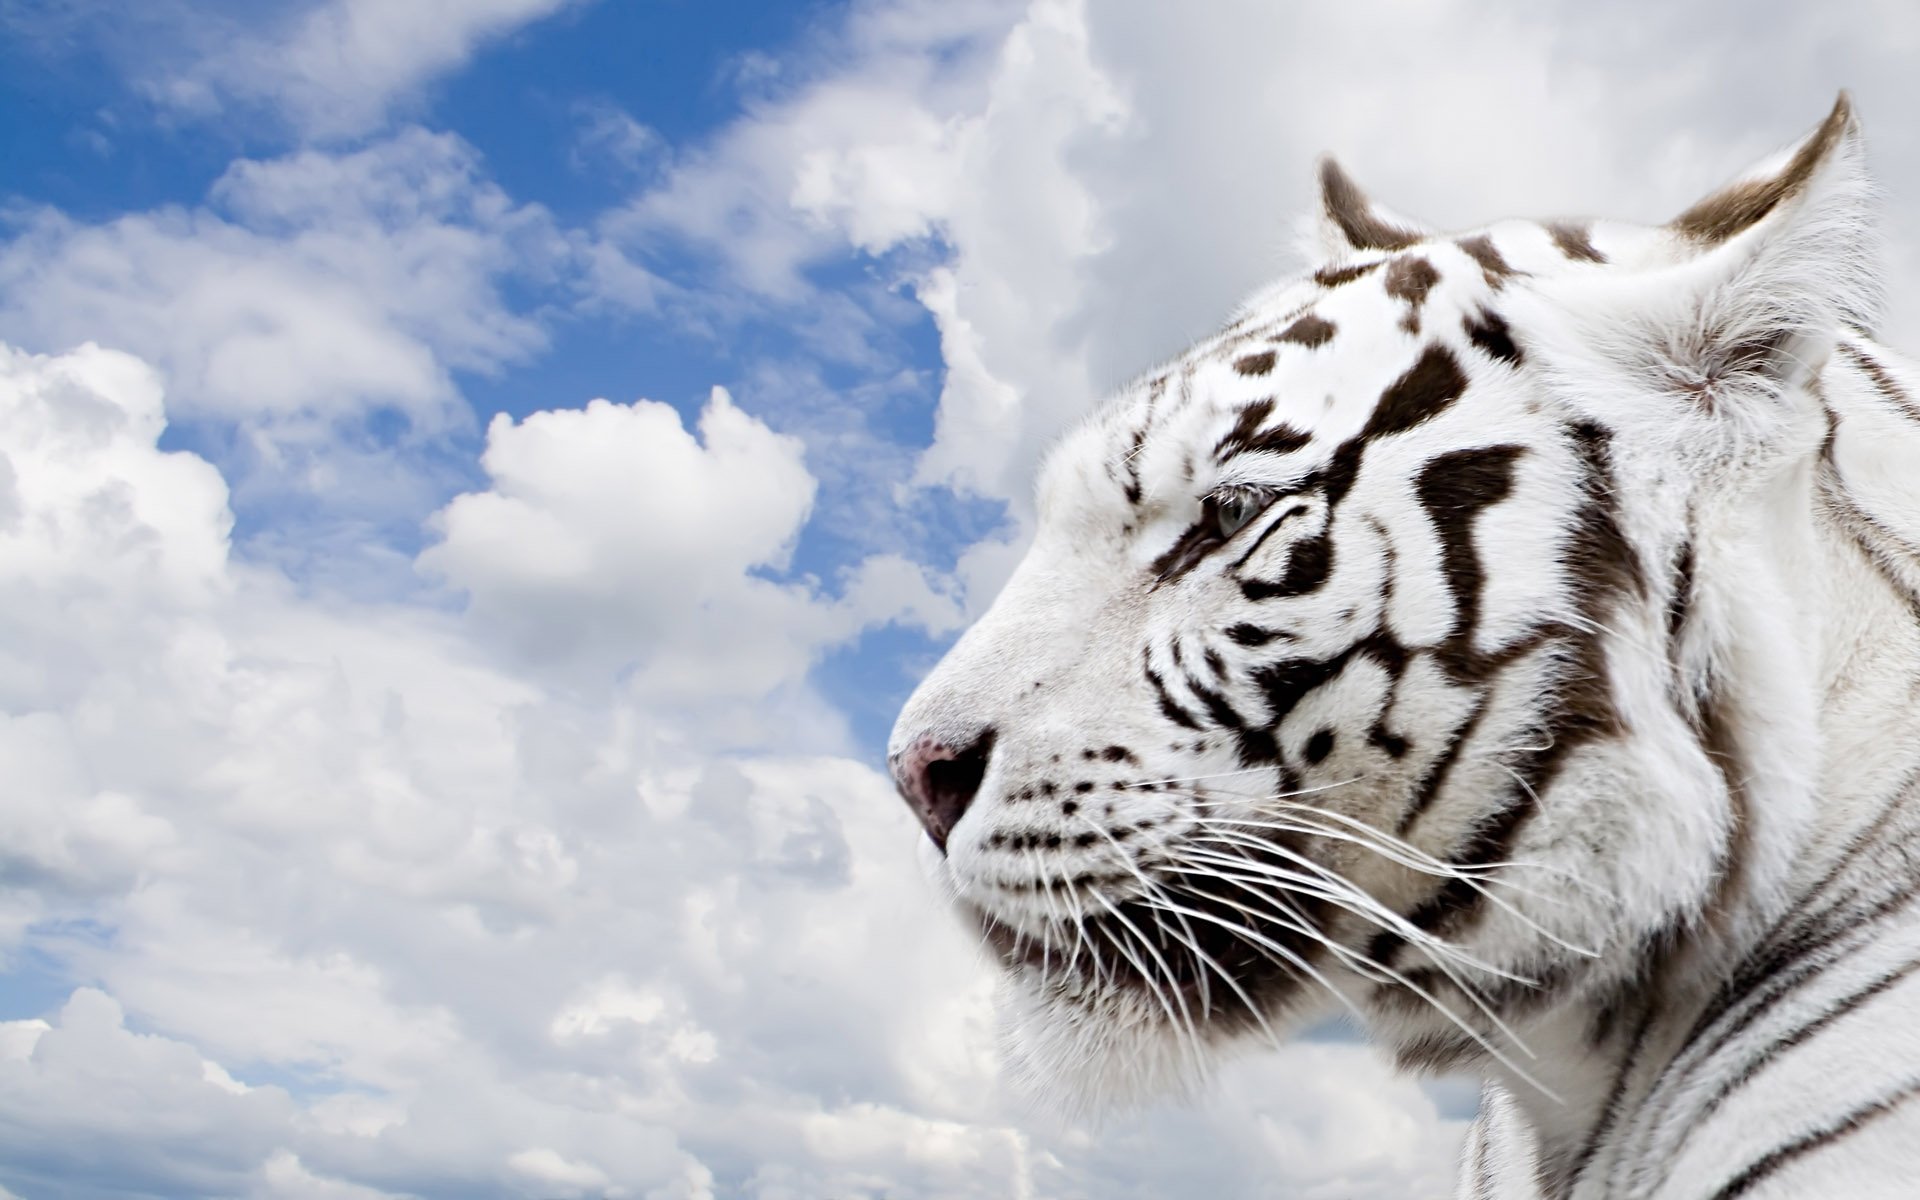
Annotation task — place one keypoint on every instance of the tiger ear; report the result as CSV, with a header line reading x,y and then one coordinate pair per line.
x,y
1774,264
1759,280
1350,222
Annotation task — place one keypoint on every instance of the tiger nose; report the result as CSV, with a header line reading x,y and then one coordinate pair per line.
x,y
939,782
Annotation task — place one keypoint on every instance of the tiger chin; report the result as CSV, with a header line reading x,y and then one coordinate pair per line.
x,y
1510,638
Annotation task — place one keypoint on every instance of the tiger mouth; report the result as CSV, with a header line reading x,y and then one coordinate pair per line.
x,y
1195,952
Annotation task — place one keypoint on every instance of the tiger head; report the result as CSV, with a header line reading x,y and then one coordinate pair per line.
x,y
1384,651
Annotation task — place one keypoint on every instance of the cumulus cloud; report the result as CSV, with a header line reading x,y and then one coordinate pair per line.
x,y
211,739
1111,178
614,542
373,914
614,523
859,149
156,1110
550,890
311,287
313,322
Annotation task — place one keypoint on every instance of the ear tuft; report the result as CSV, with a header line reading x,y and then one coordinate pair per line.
x,y
1350,222
1766,275
1789,254
1741,204
1761,283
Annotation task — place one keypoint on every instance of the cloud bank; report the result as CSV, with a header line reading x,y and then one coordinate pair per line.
x,y
522,852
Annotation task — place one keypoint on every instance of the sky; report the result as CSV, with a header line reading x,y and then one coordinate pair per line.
x,y
477,478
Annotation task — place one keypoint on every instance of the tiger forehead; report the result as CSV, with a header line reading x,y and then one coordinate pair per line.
x,y
1311,360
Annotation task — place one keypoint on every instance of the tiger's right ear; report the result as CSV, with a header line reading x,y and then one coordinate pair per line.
x,y
1349,222
1765,276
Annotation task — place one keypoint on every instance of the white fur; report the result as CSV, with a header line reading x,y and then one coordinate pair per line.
x,y
1763,715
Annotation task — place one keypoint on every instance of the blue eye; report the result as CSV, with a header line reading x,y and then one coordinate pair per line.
x,y
1229,511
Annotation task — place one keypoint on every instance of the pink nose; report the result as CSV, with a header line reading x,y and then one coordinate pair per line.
x,y
939,782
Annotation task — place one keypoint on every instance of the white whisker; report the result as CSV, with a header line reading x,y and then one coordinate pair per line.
x,y
1412,858
1367,968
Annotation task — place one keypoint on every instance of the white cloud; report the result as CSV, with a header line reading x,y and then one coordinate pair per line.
x,y
345,779
862,153
285,1177
608,135
1113,177
313,287
331,844
84,495
18,1038
613,542
311,320
151,1115
550,1170
338,67
610,524
394,921
538,897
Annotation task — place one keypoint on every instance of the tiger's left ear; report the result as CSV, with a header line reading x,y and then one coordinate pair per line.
x,y
1350,222
1772,268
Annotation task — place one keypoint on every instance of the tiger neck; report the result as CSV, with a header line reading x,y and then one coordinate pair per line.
x,y
1607,1056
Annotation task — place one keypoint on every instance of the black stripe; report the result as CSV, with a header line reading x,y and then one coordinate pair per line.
x,y
1273,526
1251,635
1483,1180
1426,390
1574,242
1863,527
1256,745
1435,1052
1132,462
1453,489
1409,279
1310,331
1810,1143
1436,774
1309,564
1807,922
1482,250
1679,600
1489,843
1280,439
1883,380
1714,728
1581,708
1477,1164
1785,1042
1246,424
1171,710
1797,955
1605,558
1809,929
1614,1108
1156,389
1186,553
1490,332
1333,277
1219,708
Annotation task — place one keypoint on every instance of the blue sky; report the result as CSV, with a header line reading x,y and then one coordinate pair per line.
x,y
571,113
426,780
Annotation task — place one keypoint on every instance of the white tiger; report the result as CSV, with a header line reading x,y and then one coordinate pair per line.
x,y
1513,637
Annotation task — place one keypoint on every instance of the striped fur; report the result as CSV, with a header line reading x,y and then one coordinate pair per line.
x,y
1510,637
